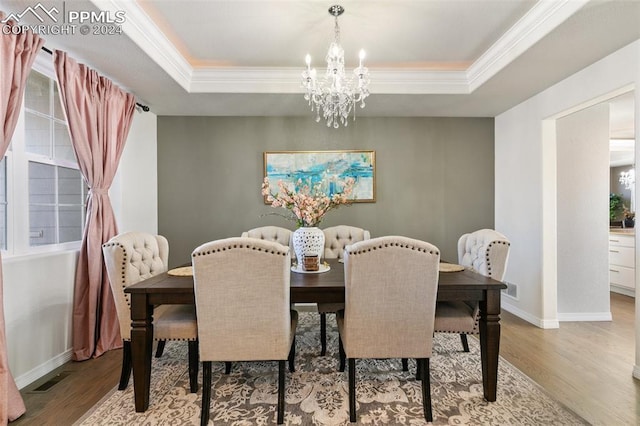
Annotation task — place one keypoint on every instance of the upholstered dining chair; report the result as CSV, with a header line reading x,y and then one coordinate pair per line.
x,y
391,285
486,251
272,233
130,258
243,305
336,238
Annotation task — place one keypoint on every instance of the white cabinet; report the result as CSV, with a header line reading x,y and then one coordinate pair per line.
x,y
622,255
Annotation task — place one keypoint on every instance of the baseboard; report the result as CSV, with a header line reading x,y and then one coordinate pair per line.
x,y
622,290
562,317
42,370
585,316
538,322
636,371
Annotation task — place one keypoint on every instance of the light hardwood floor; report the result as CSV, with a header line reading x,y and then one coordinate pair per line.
x,y
585,365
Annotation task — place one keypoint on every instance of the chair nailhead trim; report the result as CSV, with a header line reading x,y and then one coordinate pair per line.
x,y
236,246
487,259
124,265
395,245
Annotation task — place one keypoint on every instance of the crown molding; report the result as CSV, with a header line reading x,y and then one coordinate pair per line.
x,y
287,80
415,82
245,80
539,21
145,33
543,17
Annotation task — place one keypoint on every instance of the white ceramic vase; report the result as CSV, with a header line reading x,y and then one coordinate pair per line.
x,y
308,241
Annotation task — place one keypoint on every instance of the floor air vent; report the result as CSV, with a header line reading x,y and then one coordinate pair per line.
x,y
46,386
511,290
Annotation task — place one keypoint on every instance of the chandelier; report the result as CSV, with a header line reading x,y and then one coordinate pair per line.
x,y
628,179
335,94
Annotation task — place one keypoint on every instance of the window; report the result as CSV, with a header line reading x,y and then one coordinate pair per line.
x,y
42,192
56,187
55,204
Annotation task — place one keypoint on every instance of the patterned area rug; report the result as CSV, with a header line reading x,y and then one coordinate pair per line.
x,y
316,394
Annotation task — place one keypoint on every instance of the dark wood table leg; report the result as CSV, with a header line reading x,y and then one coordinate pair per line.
x,y
490,342
141,348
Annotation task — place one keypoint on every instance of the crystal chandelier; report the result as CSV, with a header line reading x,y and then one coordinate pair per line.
x,y
628,179
335,94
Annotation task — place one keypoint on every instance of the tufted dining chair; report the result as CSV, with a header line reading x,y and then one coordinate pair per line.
x,y
336,238
242,292
391,285
485,251
130,258
272,233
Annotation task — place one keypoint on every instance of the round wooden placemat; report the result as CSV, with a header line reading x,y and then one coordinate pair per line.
x,y
184,271
450,267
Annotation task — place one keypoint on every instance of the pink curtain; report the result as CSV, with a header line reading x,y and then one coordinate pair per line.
x,y
99,115
17,53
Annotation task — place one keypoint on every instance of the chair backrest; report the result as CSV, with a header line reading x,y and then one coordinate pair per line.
x,y
390,297
242,299
486,251
129,258
336,238
270,233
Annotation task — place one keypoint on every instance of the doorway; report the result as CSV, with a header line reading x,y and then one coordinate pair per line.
x,y
622,204
594,145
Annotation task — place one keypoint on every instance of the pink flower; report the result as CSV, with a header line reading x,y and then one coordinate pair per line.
x,y
308,205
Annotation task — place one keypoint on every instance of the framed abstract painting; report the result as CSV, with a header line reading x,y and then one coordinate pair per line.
x,y
327,169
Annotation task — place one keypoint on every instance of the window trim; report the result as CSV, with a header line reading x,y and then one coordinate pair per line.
x,y
18,231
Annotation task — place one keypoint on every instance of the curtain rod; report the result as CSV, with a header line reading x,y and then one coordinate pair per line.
x,y
143,107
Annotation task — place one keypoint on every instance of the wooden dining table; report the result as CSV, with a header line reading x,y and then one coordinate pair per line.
x,y
328,287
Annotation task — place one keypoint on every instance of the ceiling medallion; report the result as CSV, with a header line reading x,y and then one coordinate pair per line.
x,y
335,94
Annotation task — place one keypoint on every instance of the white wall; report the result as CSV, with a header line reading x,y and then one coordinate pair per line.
x,y
526,180
583,275
134,194
38,290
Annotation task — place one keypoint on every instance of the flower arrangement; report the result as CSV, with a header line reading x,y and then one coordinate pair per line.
x,y
309,204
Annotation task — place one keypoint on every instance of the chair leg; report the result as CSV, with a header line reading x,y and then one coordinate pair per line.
x,y
418,370
227,367
125,374
323,334
193,365
281,366
206,393
352,390
465,343
426,389
160,348
292,357
405,364
343,355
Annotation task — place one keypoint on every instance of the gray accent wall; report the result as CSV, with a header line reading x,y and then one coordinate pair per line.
x,y
434,176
